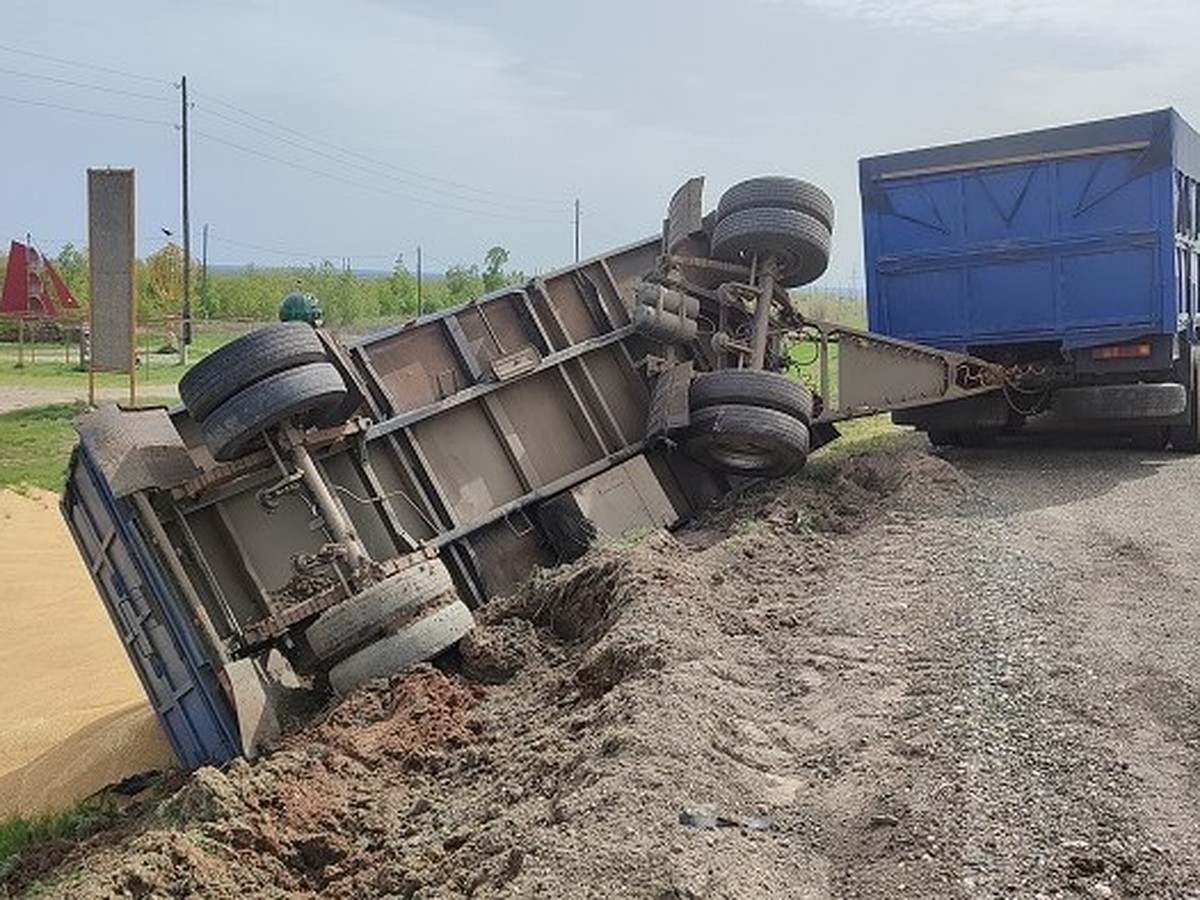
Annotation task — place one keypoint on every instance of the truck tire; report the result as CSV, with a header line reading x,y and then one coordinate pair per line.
x,y
417,642
367,615
746,440
231,428
978,435
568,531
799,241
1186,438
943,437
246,360
1152,437
1121,401
777,192
751,387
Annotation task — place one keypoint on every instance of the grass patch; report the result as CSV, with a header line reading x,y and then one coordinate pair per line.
x,y
58,373
805,357
35,444
54,365
20,834
867,435
826,306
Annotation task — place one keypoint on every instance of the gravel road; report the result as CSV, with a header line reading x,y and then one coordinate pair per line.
x,y
965,675
1041,628
1064,673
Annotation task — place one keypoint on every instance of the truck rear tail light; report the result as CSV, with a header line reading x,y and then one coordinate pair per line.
x,y
1122,351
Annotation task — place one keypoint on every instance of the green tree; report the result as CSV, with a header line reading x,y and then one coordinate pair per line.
x,y
493,269
160,283
398,292
462,283
345,296
250,293
72,265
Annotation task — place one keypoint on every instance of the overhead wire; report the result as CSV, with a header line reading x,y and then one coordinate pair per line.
x,y
369,159
475,197
82,65
502,198
293,253
87,112
370,187
83,84
219,239
378,170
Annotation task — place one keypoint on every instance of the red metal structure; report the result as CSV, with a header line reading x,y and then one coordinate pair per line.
x,y
32,287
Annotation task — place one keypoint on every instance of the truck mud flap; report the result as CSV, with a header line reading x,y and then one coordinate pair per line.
x,y
150,618
985,411
1110,402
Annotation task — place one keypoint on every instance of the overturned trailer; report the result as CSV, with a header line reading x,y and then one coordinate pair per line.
x,y
315,515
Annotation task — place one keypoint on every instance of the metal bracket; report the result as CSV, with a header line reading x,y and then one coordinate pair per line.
x,y
269,497
669,409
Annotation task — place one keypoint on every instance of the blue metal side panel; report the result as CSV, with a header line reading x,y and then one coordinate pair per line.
x,y
1061,235
1186,252
150,619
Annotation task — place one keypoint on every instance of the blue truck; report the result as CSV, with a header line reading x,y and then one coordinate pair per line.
x,y
1067,256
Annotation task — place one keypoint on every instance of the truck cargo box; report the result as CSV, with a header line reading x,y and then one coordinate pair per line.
x,y
1074,236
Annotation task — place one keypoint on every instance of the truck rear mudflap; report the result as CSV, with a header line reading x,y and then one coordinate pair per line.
x,y
1120,402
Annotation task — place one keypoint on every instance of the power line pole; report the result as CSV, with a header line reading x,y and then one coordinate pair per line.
x,y
418,281
576,229
185,336
204,270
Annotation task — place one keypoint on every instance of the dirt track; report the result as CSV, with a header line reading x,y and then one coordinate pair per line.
x,y
13,397
965,676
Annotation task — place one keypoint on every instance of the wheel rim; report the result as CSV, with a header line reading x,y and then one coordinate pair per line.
x,y
742,453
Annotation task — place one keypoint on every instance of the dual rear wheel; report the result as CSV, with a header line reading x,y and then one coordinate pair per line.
x,y
784,218
391,626
748,422
259,380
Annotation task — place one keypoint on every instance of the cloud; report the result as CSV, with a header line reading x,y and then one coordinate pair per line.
x,y
1088,19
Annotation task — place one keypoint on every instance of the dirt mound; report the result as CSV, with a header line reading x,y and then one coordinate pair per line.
x,y
836,496
681,679
311,818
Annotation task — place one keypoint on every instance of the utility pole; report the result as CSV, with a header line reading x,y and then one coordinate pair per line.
x,y
204,270
185,332
418,281
576,229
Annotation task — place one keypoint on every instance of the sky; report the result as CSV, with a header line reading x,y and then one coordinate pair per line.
x,y
361,130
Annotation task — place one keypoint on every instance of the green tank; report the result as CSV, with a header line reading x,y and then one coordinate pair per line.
x,y
301,306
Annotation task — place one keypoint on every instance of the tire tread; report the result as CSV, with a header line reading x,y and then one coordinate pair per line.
x,y
252,357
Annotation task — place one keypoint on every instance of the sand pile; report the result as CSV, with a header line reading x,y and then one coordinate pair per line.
x,y
63,669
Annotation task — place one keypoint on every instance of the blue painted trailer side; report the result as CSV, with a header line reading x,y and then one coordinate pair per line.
x,y
150,617
1067,235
